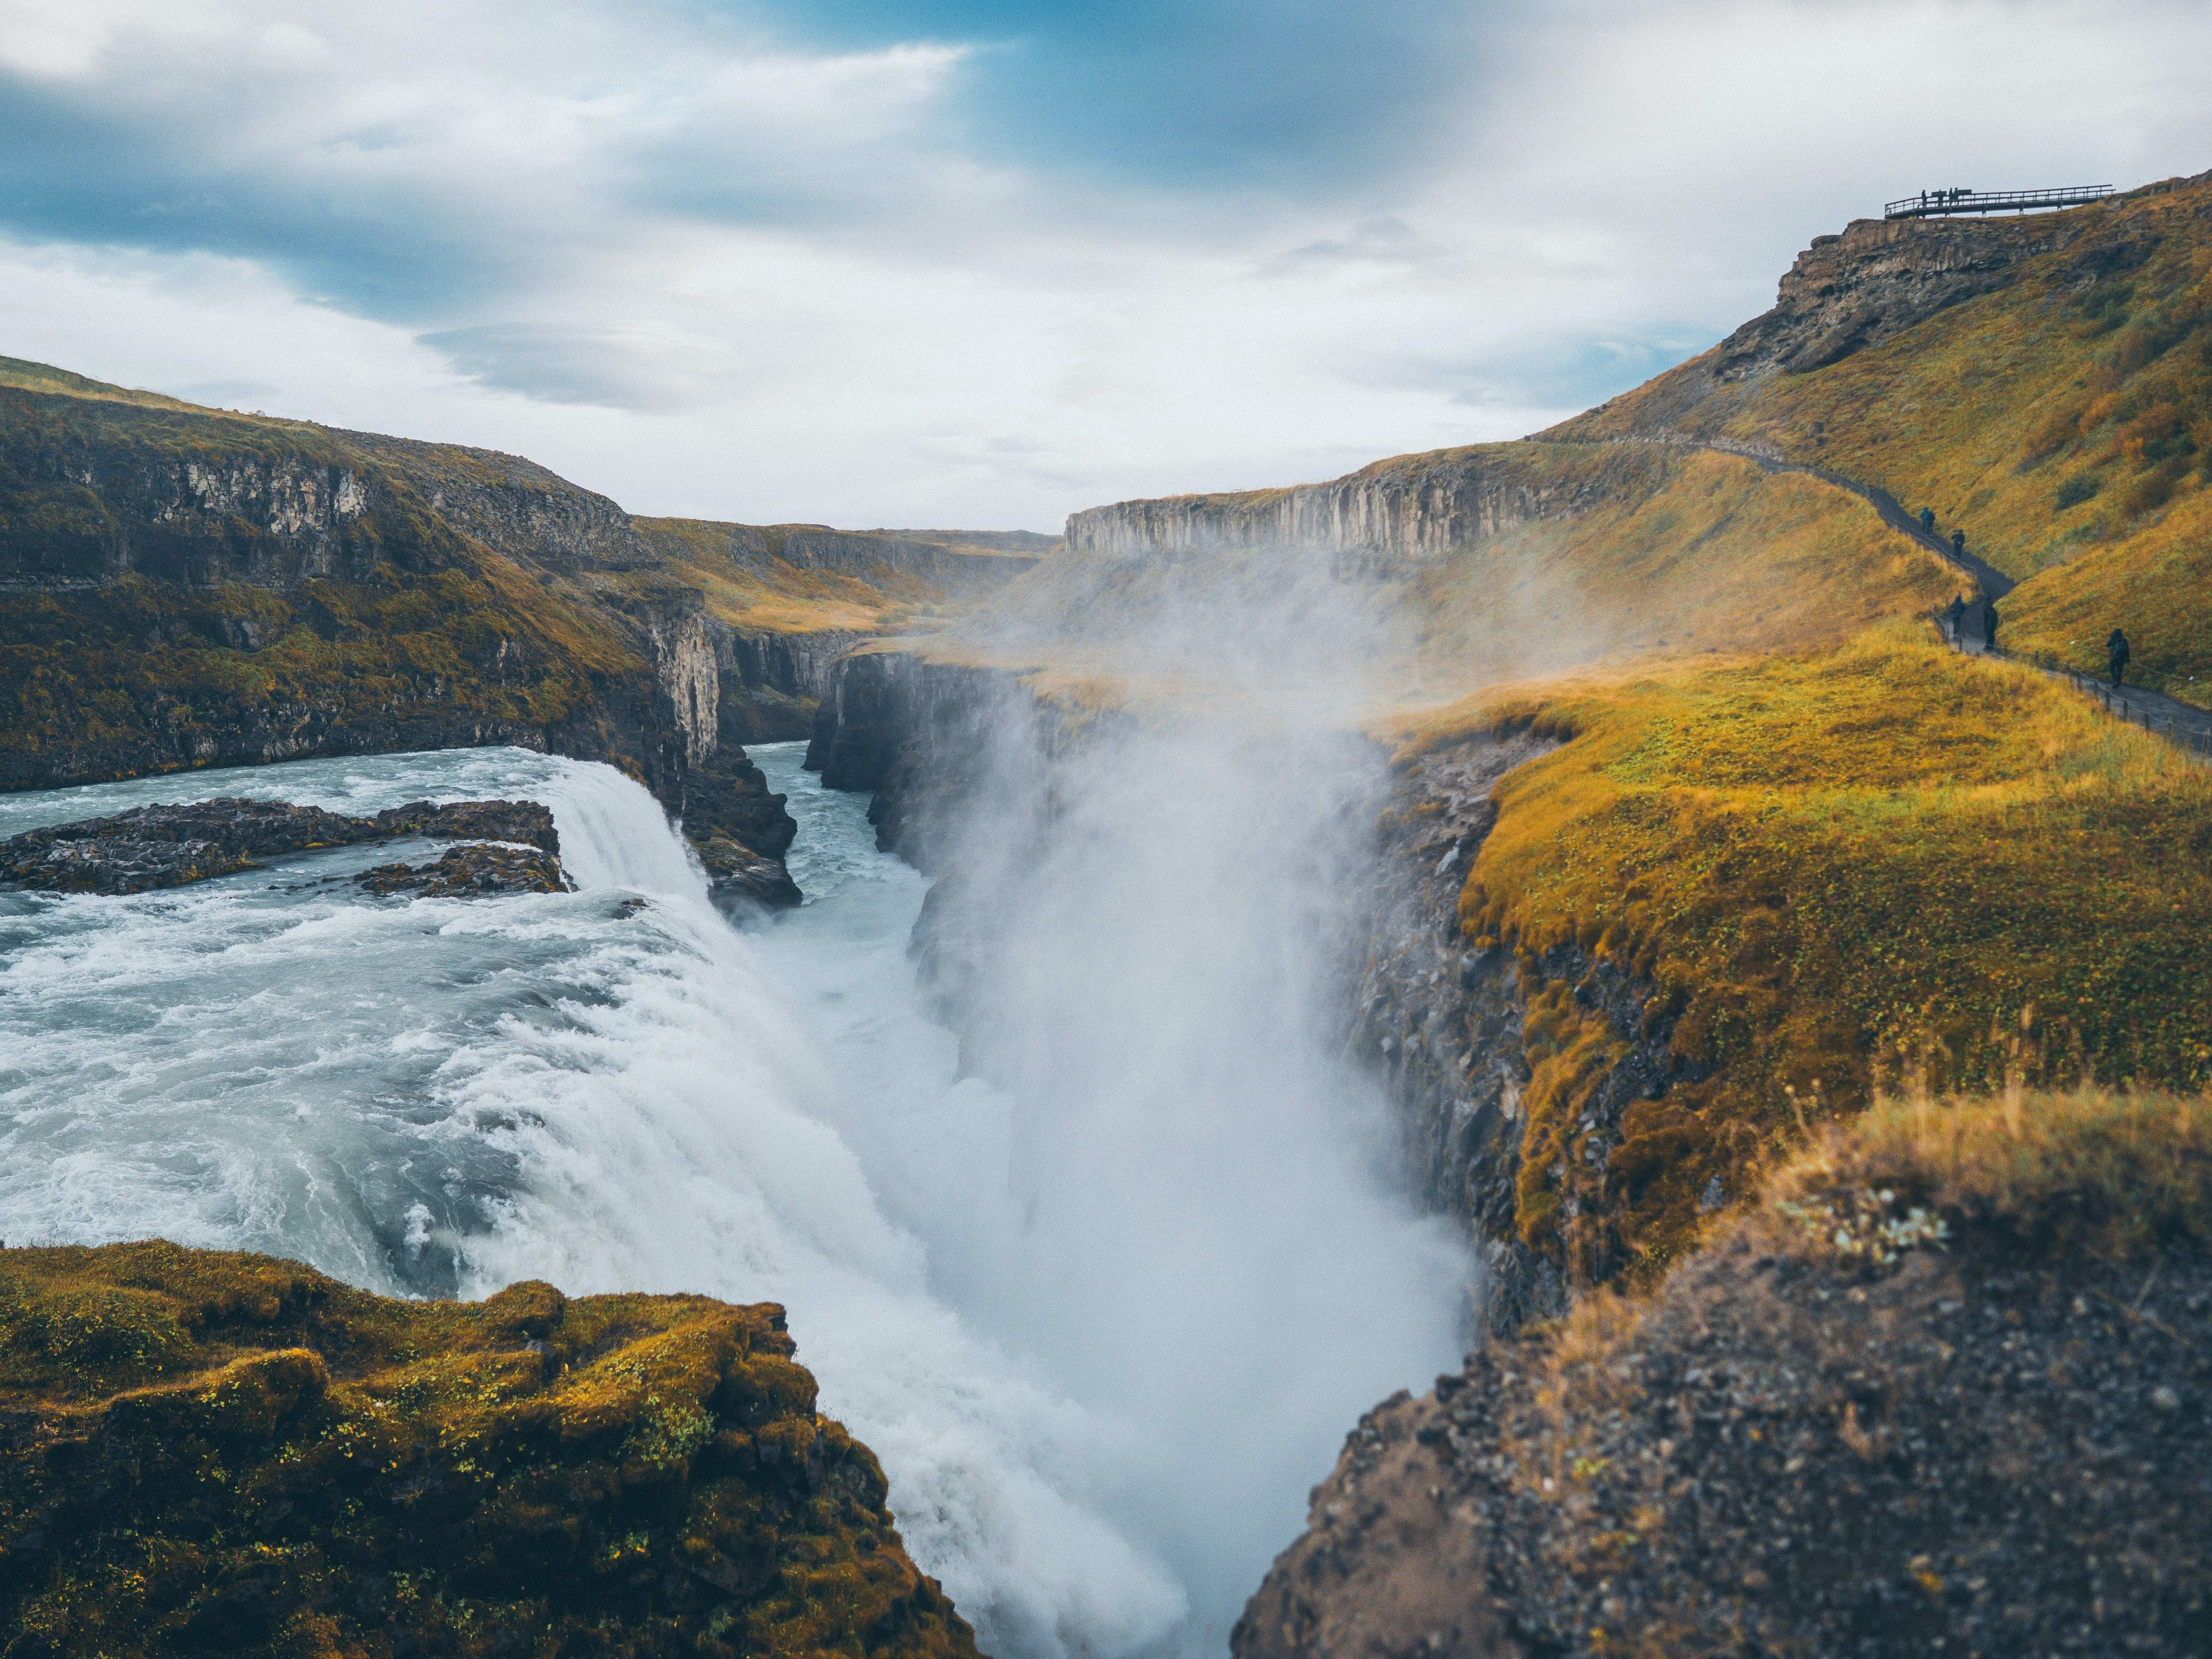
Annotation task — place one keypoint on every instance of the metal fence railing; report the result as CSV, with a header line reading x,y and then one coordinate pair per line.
x,y
1933,204
2186,729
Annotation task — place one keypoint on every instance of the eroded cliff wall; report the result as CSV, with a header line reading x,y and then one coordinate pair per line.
x,y
1398,510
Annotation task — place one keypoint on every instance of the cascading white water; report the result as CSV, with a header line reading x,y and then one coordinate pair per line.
x,y
1099,1378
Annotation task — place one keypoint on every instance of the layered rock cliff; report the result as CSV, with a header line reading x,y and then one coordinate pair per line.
x,y
1408,509
1946,1392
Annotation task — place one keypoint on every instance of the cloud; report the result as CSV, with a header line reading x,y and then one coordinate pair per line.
x,y
979,261
574,366
1269,93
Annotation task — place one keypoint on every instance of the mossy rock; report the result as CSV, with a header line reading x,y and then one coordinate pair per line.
x,y
210,1453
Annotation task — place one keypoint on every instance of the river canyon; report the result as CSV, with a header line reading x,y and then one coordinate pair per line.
x,y
1103,1313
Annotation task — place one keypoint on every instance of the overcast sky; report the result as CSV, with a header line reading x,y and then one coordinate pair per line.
x,y
978,263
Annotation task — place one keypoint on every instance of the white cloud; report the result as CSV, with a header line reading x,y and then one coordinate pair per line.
x,y
708,271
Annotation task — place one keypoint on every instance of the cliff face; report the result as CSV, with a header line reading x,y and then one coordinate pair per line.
x,y
774,683
222,1454
873,554
185,587
1879,278
1413,508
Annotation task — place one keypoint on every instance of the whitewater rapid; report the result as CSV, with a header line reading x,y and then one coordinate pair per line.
x,y
612,1089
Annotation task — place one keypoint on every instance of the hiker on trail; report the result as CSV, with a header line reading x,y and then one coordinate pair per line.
x,y
2115,649
1989,624
1959,541
1954,618
1927,519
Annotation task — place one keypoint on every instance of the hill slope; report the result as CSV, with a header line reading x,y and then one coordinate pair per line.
x,y
184,586
2044,384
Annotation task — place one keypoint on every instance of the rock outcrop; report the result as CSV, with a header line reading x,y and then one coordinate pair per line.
x,y
208,1453
476,870
156,846
1869,1421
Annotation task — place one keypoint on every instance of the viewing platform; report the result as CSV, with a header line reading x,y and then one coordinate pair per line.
x,y
1933,203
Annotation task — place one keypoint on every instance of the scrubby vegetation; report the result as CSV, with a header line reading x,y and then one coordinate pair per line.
x,y
1830,870
215,1453
755,591
2040,1175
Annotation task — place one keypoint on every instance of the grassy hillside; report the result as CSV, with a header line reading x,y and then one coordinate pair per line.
x,y
758,594
183,587
1676,554
1879,859
2064,421
215,1453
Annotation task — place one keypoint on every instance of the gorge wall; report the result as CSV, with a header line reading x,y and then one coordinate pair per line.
x,y
185,587
1407,509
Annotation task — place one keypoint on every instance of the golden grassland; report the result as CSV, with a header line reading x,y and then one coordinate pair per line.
x,y
2038,1176
2064,422
2118,1175
228,1453
769,595
1679,554
1827,864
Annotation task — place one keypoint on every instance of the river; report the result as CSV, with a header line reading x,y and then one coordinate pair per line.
x,y
1101,1356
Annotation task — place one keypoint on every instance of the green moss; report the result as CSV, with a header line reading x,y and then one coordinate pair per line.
x,y
1831,869
224,1454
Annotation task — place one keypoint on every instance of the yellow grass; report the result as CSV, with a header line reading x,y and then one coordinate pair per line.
x,y
1826,864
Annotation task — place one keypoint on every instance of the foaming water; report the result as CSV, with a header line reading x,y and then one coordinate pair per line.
x,y
611,1089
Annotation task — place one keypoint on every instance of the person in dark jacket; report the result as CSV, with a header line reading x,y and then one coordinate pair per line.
x,y
1954,619
2116,652
1927,519
1988,624
1958,541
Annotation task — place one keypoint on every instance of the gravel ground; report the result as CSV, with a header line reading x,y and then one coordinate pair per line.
x,y
1789,1453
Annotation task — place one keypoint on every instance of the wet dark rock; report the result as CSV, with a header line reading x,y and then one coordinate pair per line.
x,y
472,870
155,847
741,830
740,880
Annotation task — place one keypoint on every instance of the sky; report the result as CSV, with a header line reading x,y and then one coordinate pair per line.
x,y
978,263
